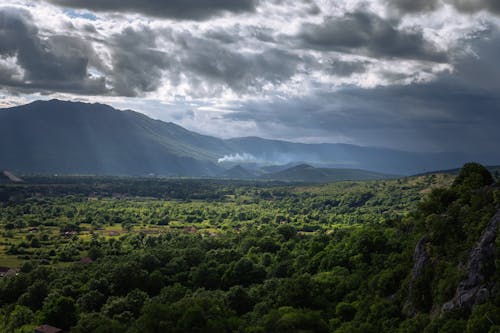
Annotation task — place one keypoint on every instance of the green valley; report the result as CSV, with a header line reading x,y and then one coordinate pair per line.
x,y
120,254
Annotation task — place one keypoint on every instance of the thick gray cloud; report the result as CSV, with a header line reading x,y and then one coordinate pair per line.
x,y
208,63
456,112
492,6
346,68
364,32
413,6
215,63
175,9
442,116
467,6
137,65
54,63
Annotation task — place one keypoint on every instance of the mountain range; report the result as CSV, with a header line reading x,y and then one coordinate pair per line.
x,y
61,137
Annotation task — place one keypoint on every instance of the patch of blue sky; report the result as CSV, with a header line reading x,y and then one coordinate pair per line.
x,y
80,14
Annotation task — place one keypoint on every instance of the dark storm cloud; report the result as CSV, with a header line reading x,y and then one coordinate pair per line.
x,y
208,61
458,111
137,65
174,9
208,64
413,6
439,116
346,68
55,63
492,6
466,6
238,34
364,32
61,63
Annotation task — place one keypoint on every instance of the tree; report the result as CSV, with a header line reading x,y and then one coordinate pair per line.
x,y
244,272
91,301
21,315
97,323
290,320
239,300
60,311
287,231
346,311
35,295
473,176
192,320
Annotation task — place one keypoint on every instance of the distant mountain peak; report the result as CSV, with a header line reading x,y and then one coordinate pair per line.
x,y
61,105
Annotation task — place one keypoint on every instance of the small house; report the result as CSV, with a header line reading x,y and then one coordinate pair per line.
x,y
47,329
86,260
7,271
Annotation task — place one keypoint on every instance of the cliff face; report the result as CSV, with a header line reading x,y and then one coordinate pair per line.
x,y
474,288
420,263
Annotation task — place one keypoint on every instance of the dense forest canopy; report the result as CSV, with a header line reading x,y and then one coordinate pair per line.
x,y
125,255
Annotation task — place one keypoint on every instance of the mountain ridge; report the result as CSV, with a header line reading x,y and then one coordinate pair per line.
x,y
307,173
64,137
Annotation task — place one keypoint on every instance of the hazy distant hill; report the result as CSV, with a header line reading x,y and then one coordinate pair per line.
x,y
238,172
350,156
307,173
78,138
493,169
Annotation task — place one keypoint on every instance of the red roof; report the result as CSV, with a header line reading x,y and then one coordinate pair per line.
x,y
47,329
86,260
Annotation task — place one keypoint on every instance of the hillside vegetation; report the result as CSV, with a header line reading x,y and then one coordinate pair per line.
x,y
222,256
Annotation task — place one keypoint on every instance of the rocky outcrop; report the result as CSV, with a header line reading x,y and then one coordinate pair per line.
x,y
420,262
474,288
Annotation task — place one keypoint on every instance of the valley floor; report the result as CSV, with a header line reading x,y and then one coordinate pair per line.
x,y
144,255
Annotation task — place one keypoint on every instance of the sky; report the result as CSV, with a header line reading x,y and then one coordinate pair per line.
x,y
405,74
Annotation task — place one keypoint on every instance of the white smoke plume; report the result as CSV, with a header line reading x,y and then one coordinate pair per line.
x,y
238,158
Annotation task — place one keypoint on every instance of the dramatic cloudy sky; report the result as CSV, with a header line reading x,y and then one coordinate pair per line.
x,y
417,75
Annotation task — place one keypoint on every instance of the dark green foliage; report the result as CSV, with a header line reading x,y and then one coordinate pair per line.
x,y
290,320
239,300
19,317
287,231
484,318
345,311
34,295
97,323
473,176
59,311
251,264
438,201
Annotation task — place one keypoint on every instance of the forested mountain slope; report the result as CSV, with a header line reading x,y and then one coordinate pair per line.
x,y
78,138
